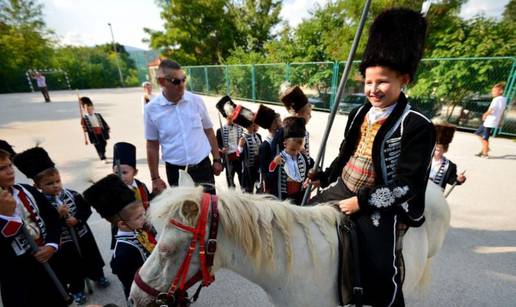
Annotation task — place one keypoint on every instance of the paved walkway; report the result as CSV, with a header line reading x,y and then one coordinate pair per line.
x,y
477,266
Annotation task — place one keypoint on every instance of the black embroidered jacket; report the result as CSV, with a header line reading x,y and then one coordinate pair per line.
x,y
402,151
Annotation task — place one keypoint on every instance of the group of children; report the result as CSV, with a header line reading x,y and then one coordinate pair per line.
x,y
56,218
277,164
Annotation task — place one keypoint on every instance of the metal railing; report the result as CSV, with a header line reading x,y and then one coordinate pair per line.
x,y
455,89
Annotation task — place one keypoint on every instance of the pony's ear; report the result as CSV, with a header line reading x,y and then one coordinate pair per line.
x,y
185,180
190,210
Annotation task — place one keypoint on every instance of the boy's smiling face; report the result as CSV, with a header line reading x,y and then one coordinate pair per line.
x,y
382,85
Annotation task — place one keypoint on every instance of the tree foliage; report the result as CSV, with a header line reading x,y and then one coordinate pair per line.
x,y
204,31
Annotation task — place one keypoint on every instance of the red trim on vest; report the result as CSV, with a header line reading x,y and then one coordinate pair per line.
x,y
29,208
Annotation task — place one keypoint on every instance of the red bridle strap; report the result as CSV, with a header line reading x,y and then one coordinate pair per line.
x,y
199,234
207,248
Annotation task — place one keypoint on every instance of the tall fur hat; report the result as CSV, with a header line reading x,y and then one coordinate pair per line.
x,y
294,99
226,106
85,101
243,116
264,117
444,134
396,40
125,153
33,161
294,127
7,147
109,196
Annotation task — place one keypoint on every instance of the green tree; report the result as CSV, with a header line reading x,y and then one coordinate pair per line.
x,y
24,42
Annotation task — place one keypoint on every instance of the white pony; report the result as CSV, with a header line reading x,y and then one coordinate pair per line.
x,y
289,251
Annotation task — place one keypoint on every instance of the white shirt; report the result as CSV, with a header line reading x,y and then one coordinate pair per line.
x,y
436,165
498,106
93,120
41,81
375,114
179,128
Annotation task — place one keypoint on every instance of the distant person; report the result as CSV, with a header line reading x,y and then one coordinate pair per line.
x,y
443,171
491,118
178,121
147,93
41,81
94,124
228,137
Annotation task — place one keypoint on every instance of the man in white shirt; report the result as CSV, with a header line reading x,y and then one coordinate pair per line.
x,y
178,121
41,81
491,117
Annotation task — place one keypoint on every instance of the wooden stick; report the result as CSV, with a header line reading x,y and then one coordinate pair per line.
x,y
80,112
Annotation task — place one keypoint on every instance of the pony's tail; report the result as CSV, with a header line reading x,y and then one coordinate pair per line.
x,y
424,281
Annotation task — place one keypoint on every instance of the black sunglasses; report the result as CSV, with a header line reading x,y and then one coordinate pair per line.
x,y
175,81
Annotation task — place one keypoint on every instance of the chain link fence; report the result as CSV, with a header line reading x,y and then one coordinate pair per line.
x,y
455,89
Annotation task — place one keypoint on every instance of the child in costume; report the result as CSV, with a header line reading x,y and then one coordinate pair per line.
x,y
248,148
297,105
94,124
268,119
124,154
382,168
78,254
288,183
117,203
443,170
228,137
23,279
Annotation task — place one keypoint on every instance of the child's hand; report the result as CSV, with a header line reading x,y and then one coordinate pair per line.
x,y
461,178
44,253
241,143
71,221
278,160
349,205
7,203
63,211
224,150
315,183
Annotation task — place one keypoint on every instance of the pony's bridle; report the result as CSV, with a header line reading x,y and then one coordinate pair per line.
x,y
176,294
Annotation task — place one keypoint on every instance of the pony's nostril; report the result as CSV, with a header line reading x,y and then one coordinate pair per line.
x,y
131,302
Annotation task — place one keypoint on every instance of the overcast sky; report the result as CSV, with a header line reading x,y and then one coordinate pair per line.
x,y
84,22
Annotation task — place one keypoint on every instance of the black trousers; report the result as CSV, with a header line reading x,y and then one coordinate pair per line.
x,y
100,146
236,168
25,283
44,91
376,243
201,173
73,268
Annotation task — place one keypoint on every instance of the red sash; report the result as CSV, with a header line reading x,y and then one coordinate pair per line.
x,y
29,208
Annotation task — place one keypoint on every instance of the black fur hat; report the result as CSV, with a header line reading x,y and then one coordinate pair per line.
x,y
396,40
264,117
294,99
109,196
225,106
294,127
444,134
86,101
7,147
243,116
125,153
33,161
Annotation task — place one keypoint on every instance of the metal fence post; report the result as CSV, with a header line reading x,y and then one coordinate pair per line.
x,y
509,84
334,78
189,72
207,83
253,78
226,76
287,72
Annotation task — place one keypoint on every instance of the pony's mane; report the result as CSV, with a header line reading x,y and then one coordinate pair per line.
x,y
249,220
